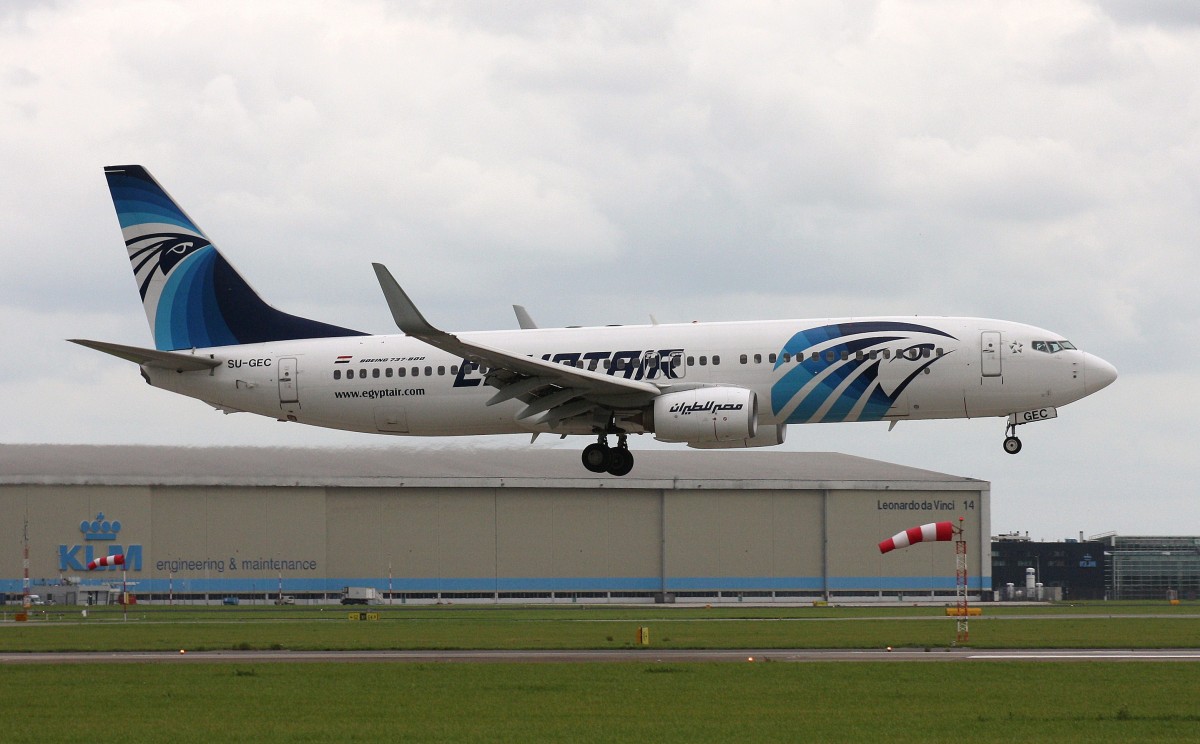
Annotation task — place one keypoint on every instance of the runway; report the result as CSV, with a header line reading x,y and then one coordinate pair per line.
x,y
609,656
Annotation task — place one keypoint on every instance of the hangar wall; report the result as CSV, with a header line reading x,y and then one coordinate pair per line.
x,y
739,526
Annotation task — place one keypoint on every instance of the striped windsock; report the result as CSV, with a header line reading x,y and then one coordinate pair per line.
x,y
940,531
108,560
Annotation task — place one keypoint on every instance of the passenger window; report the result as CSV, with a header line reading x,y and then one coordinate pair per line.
x,y
362,374
786,357
375,373
858,356
716,359
400,372
416,371
771,359
703,361
387,372
441,370
743,358
429,371
337,374
691,362
454,369
758,358
940,351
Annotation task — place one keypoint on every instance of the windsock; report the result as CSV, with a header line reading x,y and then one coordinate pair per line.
x,y
940,531
108,560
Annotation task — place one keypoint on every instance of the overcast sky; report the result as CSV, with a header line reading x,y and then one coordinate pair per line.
x,y
1036,162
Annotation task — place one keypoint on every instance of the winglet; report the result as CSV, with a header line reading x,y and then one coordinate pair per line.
x,y
408,318
523,317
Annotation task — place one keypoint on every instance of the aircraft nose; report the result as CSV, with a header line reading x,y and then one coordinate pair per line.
x,y
1097,374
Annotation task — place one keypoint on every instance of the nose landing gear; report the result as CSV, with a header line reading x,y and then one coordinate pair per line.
x,y
600,458
1012,445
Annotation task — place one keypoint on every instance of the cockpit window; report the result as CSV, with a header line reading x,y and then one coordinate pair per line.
x,y
1052,347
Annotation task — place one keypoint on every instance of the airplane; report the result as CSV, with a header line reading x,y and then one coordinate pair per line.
x,y
707,385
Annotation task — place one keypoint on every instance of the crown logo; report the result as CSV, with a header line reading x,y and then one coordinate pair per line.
x,y
99,528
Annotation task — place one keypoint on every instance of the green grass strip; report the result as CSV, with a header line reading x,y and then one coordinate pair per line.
x,y
957,701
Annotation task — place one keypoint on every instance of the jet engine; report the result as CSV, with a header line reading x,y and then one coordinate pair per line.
x,y
709,414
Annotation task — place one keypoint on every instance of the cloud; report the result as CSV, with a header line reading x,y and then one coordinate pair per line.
x,y
598,163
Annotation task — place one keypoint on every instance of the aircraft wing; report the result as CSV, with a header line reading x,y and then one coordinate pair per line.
x,y
151,357
556,390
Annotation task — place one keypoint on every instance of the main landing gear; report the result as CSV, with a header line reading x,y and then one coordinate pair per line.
x,y
600,458
1012,445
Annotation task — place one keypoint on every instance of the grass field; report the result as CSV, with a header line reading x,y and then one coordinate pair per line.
x,y
630,701
1099,625
1004,702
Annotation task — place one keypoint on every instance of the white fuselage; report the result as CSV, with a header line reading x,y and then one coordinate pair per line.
x,y
803,371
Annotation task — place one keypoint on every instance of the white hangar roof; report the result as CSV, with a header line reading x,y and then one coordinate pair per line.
x,y
449,467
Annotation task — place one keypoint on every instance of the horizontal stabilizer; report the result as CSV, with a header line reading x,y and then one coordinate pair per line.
x,y
151,357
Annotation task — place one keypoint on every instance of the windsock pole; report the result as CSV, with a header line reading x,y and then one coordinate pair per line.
x,y
960,583
25,603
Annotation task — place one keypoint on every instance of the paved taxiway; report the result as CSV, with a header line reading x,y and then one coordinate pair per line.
x,y
618,655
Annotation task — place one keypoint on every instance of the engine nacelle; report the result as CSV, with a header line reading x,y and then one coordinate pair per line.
x,y
768,435
711,414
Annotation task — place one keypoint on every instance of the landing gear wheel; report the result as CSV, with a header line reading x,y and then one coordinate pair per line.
x,y
1012,445
596,457
620,461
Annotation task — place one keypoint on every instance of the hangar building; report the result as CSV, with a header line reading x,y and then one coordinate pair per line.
x,y
492,525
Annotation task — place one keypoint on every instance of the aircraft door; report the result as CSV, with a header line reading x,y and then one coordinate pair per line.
x,y
990,350
288,389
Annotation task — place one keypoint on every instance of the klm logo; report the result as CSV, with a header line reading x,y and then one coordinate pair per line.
x,y
76,557
99,528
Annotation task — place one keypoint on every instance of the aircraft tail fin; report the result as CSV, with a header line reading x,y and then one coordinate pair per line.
x,y
193,297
